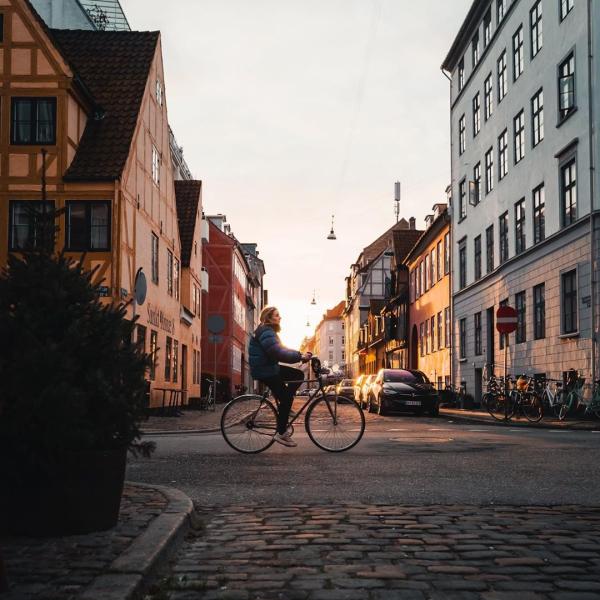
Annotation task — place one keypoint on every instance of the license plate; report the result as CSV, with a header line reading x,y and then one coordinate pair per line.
x,y
413,403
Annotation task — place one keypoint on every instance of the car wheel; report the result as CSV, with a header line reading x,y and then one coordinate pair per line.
x,y
434,411
370,404
380,410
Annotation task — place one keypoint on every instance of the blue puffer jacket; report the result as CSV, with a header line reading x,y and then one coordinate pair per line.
x,y
265,351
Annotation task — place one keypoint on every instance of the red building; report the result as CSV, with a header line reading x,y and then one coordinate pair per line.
x,y
224,259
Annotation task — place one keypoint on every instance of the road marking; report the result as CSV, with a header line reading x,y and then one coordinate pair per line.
x,y
521,429
559,431
484,430
397,429
439,429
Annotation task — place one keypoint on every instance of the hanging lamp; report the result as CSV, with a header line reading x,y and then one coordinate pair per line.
x,y
331,235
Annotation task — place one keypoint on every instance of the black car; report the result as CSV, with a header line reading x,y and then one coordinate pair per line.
x,y
403,389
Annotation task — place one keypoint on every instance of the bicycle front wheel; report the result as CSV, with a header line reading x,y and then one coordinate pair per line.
x,y
334,426
565,407
532,407
248,424
496,406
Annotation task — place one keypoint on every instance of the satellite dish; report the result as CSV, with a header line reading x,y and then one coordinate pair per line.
x,y
215,324
140,288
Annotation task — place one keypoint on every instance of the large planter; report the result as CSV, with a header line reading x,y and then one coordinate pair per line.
x,y
80,494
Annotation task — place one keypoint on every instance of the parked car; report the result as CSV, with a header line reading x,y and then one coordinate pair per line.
x,y
403,389
364,390
345,388
358,387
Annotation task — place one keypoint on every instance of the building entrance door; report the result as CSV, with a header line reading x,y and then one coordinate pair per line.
x,y
490,336
478,385
414,348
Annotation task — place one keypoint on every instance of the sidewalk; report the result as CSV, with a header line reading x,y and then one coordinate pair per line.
x,y
108,565
481,417
189,420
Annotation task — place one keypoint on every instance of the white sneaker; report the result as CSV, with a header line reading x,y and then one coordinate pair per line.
x,y
285,439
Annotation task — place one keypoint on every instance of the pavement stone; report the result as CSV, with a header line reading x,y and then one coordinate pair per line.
x,y
410,563
107,565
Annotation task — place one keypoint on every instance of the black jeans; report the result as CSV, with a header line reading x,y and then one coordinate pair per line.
x,y
284,387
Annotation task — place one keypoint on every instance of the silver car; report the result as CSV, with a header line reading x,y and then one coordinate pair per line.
x,y
364,392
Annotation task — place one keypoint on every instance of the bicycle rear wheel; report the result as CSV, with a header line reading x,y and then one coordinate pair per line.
x,y
496,406
565,408
532,408
248,424
557,403
334,426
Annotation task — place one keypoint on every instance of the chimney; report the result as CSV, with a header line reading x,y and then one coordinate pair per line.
x,y
412,223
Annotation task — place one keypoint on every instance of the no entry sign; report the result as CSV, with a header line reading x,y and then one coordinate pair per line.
x,y
506,319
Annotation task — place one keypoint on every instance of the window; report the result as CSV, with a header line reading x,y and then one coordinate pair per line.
x,y
566,6
343,355
503,223
569,301
155,165
426,272
521,317
477,256
432,333
489,170
462,264
154,258
194,367
478,346
539,311
446,254
421,342
195,299
537,118
520,241
432,277
33,121
566,87
330,340
519,135
462,200
476,114
503,155
539,223
476,184
502,82
426,336
488,97
1,27
439,330
447,327
475,49
462,340
330,355
141,337
153,353
31,225
88,225
439,260
461,134
175,360
487,27
168,358
518,53
568,191
536,31
176,269
489,247
461,74
159,92
500,10
169,273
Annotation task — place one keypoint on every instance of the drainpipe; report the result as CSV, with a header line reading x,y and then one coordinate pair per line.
x,y
592,168
450,211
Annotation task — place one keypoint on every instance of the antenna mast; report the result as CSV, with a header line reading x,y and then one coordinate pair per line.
x,y
397,192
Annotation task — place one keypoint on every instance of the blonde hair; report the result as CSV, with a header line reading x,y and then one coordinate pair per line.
x,y
266,317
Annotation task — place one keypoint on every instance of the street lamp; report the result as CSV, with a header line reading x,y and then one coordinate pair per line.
x,y
331,235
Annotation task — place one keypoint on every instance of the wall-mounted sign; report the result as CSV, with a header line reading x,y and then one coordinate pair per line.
x,y
103,291
158,318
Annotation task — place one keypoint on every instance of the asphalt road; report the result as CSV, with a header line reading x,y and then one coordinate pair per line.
x,y
400,460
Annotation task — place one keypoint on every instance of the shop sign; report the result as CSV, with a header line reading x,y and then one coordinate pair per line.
x,y
158,318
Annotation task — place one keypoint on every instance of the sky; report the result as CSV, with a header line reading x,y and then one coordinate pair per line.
x,y
291,111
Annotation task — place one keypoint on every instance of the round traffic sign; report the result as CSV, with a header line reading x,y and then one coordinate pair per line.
x,y
506,319
215,324
140,288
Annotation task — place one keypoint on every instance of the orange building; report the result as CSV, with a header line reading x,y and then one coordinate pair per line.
x,y
85,129
429,299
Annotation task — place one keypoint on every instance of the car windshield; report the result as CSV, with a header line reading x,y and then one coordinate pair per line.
x,y
402,376
346,382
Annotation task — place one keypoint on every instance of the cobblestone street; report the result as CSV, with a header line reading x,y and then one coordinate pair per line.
x,y
386,552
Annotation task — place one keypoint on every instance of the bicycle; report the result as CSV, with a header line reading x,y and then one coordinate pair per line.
x,y
209,401
574,399
249,422
552,395
504,404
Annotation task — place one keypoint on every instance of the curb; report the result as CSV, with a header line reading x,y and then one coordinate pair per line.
x,y
573,426
149,432
128,574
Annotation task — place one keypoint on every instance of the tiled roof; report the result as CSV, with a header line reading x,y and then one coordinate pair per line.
x,y
404,242
374,249
114,66
187,198
336,312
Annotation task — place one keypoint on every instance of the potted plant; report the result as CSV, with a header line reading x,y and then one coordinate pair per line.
x,y
72,398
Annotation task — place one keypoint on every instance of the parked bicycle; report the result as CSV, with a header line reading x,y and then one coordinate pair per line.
x,y
333,423
574,398
209,401
552,395
511,396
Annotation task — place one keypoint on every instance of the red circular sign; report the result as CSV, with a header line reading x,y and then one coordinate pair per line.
x,y
506,319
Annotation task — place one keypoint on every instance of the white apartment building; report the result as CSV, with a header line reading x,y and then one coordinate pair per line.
x,y
330,338
524,105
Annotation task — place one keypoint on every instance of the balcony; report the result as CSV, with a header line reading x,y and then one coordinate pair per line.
x,y
204,280
205,231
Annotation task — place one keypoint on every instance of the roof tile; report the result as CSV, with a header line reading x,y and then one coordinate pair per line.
x,y
187,197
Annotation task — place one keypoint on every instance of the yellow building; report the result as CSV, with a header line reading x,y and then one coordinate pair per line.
x,y
429,299
85,130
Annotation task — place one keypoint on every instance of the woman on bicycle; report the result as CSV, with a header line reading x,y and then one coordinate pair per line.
x,y
265,353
